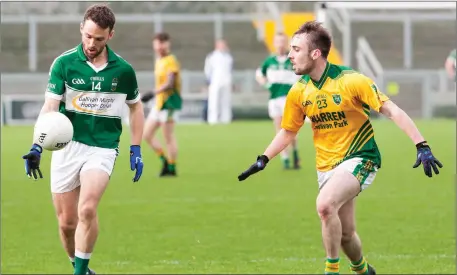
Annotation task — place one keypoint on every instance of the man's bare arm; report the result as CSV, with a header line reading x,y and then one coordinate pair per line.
x,y
282,139
50,105
168,85
260,78
136,122
403,121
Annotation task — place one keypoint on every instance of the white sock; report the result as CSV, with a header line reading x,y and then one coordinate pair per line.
x,y
72,259
82,255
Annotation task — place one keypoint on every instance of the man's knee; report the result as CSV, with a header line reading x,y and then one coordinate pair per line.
x,y
87,212
147,134
335,192
168,132
150,127
325,207
66,205
67,222
94,182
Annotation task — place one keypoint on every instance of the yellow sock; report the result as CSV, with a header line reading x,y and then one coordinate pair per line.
x,y
161,154
332,266
360,266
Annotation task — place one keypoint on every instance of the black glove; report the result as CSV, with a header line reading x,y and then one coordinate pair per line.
x,y
32,162
259,165
147,96
425,156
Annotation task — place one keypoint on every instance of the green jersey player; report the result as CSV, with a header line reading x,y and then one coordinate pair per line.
x,y
450,64
276,74
90,84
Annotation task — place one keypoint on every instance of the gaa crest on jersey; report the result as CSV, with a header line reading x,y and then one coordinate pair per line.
x,y
336,99
114,84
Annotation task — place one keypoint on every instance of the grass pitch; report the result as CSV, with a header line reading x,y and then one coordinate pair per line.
x,y
205,221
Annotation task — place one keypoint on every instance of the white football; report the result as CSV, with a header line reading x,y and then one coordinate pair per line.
x,y
53,131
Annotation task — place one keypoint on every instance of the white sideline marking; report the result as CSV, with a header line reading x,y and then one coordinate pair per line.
x,y
198,200
307,260
369,255
274,260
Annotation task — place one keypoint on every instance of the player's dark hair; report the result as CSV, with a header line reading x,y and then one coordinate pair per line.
x,y
162,37
319,37
102,15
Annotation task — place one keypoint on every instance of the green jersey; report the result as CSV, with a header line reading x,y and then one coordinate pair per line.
x,y
93,98
280,75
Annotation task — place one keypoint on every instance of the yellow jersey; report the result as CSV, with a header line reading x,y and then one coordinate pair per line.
x,y
169,99
338,106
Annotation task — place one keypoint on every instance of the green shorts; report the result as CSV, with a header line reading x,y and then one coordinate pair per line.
x,y
363,169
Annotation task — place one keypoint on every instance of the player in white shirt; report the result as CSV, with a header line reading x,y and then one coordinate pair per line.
x,y
218,72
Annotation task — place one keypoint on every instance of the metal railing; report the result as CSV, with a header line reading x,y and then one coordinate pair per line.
x,y
367,61
23,94
343,14
434,90
193,84
157,19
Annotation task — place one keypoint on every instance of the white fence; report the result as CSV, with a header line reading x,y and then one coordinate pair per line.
x,y
23,95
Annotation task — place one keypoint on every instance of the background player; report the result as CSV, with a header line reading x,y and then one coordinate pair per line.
x,y
166,105
218,72
347,156
276,75
450,64
81,171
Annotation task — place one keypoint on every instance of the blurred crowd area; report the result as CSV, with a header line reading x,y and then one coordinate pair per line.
x,y
431,41
191,41
141,7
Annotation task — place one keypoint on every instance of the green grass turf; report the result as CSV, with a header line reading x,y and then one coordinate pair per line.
x,y
205,221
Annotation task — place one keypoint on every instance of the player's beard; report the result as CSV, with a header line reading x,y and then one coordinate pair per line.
x,y
93,54
307,68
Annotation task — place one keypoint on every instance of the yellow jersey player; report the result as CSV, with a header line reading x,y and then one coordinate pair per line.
x,y
338,102
166,105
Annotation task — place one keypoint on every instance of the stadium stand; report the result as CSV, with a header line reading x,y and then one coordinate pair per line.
x,y
191,41
386,40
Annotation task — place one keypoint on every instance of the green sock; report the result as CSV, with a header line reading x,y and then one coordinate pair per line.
x,y
295,154
172,166
360,266
81,266
72,261
332,266
286,162
163,158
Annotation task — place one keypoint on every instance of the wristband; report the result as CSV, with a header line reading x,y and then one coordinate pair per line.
x,y
37,148
422,144
263,158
